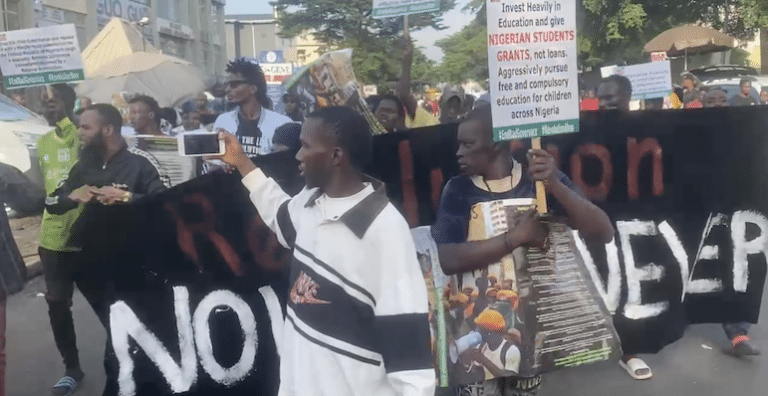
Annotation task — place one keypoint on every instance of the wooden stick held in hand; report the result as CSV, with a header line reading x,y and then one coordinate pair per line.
x,y
541,191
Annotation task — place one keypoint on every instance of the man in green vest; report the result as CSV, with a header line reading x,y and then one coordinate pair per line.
x,y
57,152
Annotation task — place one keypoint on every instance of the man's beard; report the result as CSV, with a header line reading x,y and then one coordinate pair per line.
x,y
94,147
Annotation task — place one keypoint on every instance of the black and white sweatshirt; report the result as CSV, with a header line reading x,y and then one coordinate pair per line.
x,y
356,319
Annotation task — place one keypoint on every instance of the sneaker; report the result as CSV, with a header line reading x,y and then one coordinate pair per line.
x,y
68,383
742,346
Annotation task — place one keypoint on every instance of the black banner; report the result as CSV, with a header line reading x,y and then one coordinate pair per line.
x,y
686,191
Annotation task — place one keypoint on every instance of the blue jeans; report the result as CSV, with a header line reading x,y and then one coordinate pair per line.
x,y
733,330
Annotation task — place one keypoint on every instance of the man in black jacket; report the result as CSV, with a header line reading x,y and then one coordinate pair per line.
x,y
108,172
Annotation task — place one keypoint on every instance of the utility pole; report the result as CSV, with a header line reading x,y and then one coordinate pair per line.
x,y
238,25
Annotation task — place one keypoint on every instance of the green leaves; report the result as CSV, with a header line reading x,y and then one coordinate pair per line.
x,y
466,54
611,31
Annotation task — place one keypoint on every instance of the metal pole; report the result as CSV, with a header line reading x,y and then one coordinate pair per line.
x,y
253,37
237,27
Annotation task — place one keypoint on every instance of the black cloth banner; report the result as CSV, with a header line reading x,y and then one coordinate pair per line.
x,y
685,189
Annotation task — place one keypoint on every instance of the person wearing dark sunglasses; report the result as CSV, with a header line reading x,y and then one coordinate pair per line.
x,y
253,121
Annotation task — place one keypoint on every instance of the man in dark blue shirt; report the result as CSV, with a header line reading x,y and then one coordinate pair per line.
x,y
489,173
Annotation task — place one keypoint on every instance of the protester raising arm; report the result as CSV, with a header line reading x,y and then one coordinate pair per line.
x,y
404,85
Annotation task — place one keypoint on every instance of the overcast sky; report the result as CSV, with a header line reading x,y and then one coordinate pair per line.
x,y
455,20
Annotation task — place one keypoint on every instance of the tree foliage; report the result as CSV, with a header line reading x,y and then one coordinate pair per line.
x,y
334,21
377,51
612,31
466,52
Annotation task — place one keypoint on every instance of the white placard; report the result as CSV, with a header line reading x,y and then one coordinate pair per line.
x,y
370,90
46,55
649,80
392,8
276,73
532,67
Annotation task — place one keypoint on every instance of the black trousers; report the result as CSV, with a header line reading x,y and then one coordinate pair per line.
x,y
64,270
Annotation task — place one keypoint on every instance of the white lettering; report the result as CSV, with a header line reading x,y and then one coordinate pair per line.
x,y
635,309
124,323
707,253
678,251
225,376
743,248
612,293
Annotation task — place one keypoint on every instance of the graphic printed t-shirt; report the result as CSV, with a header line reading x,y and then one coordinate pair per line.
x,y
739,100
56,156
460,195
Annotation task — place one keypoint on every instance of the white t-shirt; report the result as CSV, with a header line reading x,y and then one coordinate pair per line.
x,y
510,363
253,145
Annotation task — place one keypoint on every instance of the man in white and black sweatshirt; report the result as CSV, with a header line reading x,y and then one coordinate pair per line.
x,y
357,309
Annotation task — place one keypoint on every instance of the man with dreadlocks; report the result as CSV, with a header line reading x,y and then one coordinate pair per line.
x,y
252,121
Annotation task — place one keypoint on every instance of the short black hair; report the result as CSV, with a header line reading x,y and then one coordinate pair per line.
x,y
109,115
169,114
252,73
394,98
288,134
150,102
483,115
745,81
352,131
67,95
624,84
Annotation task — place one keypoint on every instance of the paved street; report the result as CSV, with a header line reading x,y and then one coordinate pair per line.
x,y
684,368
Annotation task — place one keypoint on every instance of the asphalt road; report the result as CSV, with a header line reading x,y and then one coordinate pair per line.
x,y
693,366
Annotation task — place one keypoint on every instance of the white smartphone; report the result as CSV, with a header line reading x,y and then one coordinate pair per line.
x,y
197,144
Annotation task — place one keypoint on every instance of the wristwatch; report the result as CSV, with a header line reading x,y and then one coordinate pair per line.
x,y
127,196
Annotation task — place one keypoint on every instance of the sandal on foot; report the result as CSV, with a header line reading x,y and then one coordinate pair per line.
x,y
65,387
634,366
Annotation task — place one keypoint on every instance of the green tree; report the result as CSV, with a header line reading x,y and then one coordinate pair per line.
x,y
611,31
465,53
348,24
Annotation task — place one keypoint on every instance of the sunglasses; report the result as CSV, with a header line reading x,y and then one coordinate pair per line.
x,y
234,84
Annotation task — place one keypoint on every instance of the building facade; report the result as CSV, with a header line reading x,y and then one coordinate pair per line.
x,y
189,29
248,35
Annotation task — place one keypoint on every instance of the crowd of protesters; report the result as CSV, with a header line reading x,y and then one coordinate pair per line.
x,y
690,94
340,214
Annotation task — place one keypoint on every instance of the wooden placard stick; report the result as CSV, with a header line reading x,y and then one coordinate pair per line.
x,y
541,191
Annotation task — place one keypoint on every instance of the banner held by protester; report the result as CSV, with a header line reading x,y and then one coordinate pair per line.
x,y
330,81
659,215
649,80
40,56
533,70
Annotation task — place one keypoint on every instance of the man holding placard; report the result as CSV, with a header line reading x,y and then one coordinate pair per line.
x,y
490,174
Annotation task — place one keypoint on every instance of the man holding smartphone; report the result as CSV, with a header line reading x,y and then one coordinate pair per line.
x,y
356,321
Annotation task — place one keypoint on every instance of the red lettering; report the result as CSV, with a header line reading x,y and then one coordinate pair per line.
x,y
265,249
600,191
185,234
635,152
